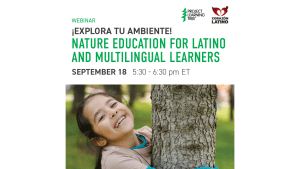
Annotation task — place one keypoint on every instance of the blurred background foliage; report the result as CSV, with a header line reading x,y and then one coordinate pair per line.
x,y
79,152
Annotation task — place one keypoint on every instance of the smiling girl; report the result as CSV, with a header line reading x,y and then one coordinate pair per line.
x,y
109,125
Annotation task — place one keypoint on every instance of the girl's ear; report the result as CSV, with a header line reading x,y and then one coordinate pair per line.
x,y
99,141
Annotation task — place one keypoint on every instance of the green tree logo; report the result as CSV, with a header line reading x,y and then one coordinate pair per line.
x,y
184,14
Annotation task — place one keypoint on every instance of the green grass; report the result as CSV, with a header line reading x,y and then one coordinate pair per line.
x,y
142,114
76,159
68,106
225,140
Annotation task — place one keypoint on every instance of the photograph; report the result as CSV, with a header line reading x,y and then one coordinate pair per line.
x,y
149,126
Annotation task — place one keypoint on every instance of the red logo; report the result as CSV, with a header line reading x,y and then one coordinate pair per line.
x,y
222,12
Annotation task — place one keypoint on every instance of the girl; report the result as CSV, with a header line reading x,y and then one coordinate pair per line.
x,y
109,125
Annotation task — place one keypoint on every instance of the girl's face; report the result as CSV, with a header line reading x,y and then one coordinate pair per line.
x,y
109,118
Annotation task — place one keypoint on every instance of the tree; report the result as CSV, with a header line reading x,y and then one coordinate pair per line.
x,y
135,92
79,92
183,126
114,90
132,94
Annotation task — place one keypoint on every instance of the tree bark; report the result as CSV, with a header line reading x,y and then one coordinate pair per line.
x,y
78,96
183,126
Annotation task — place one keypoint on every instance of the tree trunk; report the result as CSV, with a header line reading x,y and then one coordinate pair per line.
x,y
114,90
78,96
183,126
132,94
231,102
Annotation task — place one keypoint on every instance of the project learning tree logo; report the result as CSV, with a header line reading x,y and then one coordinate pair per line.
x,y
221,19
220,12
191,14
184,14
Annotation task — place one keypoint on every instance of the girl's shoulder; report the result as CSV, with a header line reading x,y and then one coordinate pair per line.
x,y
145,131
119,158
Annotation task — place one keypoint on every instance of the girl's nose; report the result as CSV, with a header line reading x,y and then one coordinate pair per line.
x,y
113,114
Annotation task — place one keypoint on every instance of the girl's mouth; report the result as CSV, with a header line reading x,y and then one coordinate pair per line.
x,y
120,121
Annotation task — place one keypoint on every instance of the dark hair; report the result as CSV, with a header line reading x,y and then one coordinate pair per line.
x,y
85,126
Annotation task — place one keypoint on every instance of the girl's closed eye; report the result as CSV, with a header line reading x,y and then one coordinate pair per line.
x,y
101,117
113,105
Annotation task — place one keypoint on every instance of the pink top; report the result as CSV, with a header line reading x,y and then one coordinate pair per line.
x,y
115,157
